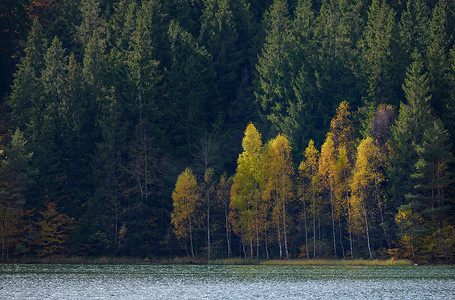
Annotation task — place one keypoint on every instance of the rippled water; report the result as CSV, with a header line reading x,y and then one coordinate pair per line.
x,y
224,282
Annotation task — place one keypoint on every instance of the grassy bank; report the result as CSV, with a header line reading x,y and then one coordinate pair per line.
x,y
190,261
341,262
313,262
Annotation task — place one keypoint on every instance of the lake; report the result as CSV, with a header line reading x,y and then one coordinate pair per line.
x,y
225,282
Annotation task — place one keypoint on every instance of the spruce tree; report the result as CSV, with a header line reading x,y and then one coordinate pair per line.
x,y
407,133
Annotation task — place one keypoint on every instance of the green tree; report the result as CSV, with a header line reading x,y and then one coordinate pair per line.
x,y
432,176
437,62
336,35
407,133
377,53
414,28
274,92
17,173
27,88
189,81
143,69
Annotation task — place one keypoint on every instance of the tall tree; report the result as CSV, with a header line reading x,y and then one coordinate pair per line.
x,y
366,189
280,187
414,28
245,192
432,176
308,190
413,119
185,217
327,163
274,92
223,196
377,50
26,89
189,81
337,24
16,172
209,190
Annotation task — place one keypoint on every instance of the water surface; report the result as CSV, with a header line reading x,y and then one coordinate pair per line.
x,y
224,282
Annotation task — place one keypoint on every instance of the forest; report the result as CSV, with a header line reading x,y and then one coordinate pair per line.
x,y
227,128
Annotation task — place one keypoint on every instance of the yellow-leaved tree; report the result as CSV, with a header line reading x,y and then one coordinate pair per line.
x,y
308,191
280,187
185,216
327,163
342,133
366,194
245,192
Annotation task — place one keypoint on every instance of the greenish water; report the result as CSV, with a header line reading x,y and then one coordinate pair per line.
x,y
224,282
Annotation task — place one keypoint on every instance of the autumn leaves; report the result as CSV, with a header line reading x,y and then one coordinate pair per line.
x,y
273,209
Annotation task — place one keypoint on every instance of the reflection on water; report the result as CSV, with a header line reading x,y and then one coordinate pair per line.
x,y
224,282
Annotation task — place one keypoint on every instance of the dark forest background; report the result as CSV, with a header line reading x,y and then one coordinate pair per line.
x,y
104,103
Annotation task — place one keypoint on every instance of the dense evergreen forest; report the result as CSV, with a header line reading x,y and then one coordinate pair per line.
x,y
227,128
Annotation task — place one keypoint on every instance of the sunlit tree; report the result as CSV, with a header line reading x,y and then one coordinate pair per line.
x,y
185,217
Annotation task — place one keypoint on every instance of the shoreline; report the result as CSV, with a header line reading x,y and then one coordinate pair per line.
x,y
233,261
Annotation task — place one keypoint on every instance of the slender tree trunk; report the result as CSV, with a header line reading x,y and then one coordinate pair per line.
x,y
251,248
333,224
314,232
284,220
279,237
367,231
350,233
227,232
341,237
257,240
284,232
266,246
306,230
243,247
191,240
208,225
381,213
257,230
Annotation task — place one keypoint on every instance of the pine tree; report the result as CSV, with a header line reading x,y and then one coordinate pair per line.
x,y
274,91
143,69
407,133
377,51
189,82
27,88
414,28
335,34
432,176
437,62
16,172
